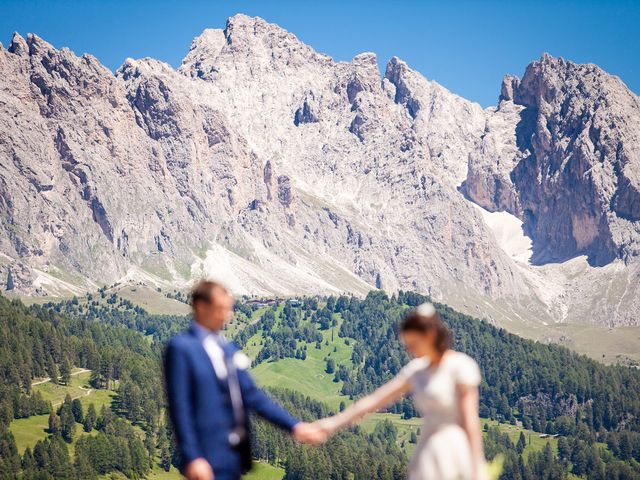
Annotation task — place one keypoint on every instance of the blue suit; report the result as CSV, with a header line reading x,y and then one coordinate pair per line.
x,y
201,410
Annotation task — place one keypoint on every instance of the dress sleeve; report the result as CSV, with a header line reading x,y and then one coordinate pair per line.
x,y
468,371
411,368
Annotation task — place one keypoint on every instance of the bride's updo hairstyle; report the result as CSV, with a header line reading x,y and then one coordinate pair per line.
x,y
424,318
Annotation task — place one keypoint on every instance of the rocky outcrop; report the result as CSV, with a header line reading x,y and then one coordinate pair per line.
x,y
562,152
273,166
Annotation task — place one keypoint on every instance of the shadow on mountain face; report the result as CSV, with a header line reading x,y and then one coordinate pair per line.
x,y
553,197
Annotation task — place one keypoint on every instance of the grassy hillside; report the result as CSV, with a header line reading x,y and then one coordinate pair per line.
x,y
306,376
152,300
289,371
27,431
78,388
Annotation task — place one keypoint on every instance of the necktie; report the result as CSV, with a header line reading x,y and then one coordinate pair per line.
x,y
239,433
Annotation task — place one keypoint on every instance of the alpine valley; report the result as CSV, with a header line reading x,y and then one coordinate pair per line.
x,y
266,163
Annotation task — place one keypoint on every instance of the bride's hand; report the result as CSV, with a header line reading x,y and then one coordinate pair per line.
x,y
309,433
328,425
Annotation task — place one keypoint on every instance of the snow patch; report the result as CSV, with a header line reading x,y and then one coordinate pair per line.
x,y
508,232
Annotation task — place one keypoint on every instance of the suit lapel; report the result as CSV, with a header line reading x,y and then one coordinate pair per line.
x,y
203,357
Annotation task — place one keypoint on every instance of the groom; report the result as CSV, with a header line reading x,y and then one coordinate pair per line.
x,y
211,393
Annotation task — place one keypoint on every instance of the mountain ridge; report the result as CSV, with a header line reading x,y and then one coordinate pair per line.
x,y
294,173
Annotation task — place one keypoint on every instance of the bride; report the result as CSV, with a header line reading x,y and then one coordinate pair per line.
x,y
444,384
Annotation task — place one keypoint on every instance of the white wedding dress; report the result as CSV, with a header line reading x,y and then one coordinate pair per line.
x,y
443,452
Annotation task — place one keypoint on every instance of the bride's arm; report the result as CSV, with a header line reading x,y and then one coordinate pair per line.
x,y
469,400
386,394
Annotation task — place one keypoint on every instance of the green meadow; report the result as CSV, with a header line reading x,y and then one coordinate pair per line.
x,y
27,431
306,376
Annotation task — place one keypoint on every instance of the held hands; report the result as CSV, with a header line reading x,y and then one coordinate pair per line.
x,y
310,433
316,432
328,425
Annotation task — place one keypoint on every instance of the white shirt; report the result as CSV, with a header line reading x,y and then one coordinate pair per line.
x,y
216,355
211,344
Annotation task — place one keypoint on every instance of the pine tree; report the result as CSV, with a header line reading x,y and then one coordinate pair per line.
x,y
52,370
165,458
150,443
67,420
522,443
65,372
28,462
90,418
626,448
76,409
139,456
564,449
331,366
10,463
59,463
83,467
54,423
596,468
579,459
96,380
105,418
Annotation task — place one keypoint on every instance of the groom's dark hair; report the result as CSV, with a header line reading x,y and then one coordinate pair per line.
x,y
417,322
203,291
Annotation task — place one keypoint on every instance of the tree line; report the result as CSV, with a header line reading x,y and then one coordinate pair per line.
x,y
543,387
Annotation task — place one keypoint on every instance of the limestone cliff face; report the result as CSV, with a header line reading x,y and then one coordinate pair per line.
x,y
570,168
282,171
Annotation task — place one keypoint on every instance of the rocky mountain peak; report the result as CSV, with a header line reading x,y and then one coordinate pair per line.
x,y
543,76
510,84
18,45
248,33
256,37
251,42
366,60
33,45
205,48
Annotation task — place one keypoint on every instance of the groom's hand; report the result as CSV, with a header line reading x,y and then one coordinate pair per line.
x,y
309,433
198,469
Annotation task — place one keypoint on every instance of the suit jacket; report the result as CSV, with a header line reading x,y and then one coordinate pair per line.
x,y
201,410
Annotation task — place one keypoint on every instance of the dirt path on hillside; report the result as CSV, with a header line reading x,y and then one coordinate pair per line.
x,y
88,391
78,372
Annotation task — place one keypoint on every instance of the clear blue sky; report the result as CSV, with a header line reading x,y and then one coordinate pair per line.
x,y
465,46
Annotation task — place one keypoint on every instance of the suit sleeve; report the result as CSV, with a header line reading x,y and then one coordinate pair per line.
x,y
258,401
179,389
